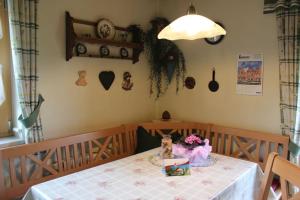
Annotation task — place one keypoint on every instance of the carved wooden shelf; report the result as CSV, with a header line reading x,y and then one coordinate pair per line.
x,y
72,39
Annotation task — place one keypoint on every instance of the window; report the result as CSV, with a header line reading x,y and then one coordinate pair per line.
x,y
8,109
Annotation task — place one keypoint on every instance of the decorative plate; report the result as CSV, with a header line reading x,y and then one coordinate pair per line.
x,y
81,48
124,53
105,29
104,51
189,82
156,159
122,36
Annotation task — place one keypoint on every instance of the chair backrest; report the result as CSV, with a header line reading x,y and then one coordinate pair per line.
x,y
26,165
287,172
131,139
254,146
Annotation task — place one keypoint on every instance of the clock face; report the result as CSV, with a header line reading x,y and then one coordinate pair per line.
x,y
217,39
214,40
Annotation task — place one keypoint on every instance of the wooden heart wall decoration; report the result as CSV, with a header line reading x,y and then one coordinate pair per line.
x,y
106,78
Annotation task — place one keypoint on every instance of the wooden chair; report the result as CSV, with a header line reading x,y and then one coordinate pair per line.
x,y
287,171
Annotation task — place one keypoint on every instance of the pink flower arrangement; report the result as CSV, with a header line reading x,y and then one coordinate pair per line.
x,y
193,147
192,139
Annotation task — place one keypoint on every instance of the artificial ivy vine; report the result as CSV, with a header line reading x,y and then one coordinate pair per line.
x,y
165,58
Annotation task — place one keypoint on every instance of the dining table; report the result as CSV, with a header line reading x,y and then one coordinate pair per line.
x,y
137,177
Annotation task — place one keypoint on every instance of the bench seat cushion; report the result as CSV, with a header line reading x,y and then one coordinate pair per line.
x,y
145,141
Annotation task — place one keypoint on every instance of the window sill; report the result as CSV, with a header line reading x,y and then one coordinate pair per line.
x,y
11,141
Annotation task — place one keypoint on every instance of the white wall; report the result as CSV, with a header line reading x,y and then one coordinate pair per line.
x,y
70,109
248,30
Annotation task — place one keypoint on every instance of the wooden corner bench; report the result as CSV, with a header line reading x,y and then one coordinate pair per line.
x,y
26,165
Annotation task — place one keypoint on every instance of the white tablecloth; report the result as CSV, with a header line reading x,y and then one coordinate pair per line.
x,y
135,178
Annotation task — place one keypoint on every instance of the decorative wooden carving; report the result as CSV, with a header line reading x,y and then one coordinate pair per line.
x,y
81,79
106,78
127,84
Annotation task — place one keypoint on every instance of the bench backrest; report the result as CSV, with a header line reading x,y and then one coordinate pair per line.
x,y
249,145
25,165
182,128
254,146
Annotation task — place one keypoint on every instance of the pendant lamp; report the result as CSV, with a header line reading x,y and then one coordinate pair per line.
x,y
190,27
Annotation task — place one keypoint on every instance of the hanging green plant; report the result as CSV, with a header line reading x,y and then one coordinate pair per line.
x,y
165,58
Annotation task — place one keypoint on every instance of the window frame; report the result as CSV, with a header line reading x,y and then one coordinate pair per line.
x,y
13,136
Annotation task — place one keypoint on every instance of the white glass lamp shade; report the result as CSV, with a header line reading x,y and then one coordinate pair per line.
x,y
190,27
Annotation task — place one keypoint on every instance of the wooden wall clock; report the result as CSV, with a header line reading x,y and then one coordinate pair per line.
x,y
216,39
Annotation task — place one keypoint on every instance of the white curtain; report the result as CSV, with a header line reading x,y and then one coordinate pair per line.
x,y
288,34
23,35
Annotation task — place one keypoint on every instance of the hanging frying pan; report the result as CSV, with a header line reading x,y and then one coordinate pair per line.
x,y
213,85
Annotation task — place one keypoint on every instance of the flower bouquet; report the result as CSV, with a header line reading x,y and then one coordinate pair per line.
x,y
195,148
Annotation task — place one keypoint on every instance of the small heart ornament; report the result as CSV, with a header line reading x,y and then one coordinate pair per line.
x,y
106,78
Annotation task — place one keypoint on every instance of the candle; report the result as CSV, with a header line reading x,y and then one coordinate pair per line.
x,y
166,147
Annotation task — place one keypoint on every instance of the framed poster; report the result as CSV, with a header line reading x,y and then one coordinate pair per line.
x,y
250,74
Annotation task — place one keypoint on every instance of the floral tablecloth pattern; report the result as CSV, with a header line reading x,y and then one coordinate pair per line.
x,y
135,178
